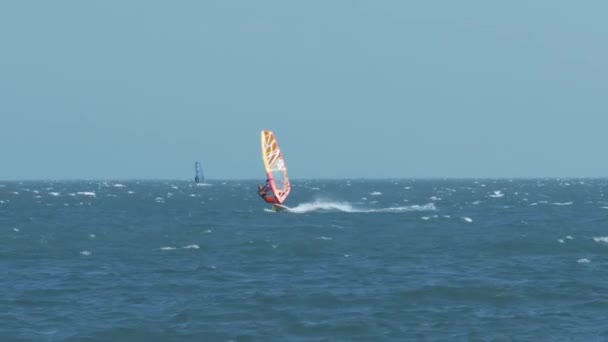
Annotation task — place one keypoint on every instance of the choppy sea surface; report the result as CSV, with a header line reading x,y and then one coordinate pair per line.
x,y
353,260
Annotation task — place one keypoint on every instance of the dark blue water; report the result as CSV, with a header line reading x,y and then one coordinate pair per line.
x,y
360,260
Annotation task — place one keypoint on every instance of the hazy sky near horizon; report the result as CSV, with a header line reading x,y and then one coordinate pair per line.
x,y
142,89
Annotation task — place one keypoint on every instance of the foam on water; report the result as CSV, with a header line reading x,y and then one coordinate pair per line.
x,y
562,204
497,194
346,207
86,193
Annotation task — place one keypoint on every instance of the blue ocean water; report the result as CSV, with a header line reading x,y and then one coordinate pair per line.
x,y
354,260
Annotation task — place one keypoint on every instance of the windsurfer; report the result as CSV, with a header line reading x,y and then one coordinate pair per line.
x,y
263,192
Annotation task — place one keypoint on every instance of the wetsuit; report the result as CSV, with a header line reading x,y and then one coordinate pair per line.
x,y
263,192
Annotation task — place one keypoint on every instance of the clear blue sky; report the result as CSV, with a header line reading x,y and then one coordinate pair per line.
x,y
142,89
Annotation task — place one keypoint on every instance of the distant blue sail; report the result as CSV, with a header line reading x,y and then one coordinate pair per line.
x,y
198,171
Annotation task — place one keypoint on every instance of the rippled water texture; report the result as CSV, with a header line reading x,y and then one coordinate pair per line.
x,y
357,260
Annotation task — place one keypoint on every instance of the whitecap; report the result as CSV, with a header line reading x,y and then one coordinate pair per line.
x,y
497,194
324,238
467,219
583,261
130,192
562,204
85,253
376,193
86,193
208,231
435,198
56,194
569,237
118,185
16,229
167,248
601,239
560,240
192,247
92,236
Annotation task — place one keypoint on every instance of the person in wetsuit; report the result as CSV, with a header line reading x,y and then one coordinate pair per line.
x,y
263,192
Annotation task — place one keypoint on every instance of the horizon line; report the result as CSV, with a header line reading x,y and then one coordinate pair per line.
x,y
301,179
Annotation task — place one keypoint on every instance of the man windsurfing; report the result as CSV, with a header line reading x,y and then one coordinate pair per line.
x,y
263,192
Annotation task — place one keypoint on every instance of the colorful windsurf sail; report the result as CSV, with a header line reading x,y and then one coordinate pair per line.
x,y
199,176
274,163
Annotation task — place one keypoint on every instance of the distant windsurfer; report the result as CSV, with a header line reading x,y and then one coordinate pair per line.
x,y
263,192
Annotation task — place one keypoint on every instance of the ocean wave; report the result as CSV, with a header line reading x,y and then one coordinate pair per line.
x,y
562,204
497,194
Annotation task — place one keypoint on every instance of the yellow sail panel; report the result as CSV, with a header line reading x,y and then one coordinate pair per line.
x,y
274,164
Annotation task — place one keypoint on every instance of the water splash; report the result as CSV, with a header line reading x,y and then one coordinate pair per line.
x,y
346,207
